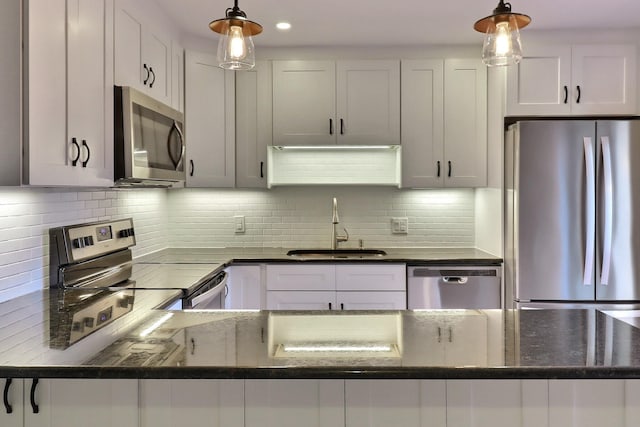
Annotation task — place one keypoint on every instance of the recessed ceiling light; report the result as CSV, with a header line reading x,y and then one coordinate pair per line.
x,y
284,26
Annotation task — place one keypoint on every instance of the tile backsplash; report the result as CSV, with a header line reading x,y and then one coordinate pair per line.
x,y
26,214
281,217
301,217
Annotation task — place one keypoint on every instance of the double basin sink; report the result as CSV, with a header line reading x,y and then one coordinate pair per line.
x,y
336,253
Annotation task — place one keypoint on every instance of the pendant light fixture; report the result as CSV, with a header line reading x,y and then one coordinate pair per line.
x,y
235,47
502,36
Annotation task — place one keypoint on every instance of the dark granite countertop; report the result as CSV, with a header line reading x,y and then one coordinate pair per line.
x,y
410,256
148,343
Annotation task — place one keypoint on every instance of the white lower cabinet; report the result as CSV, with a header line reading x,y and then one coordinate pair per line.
x,y
81,402
199,402
245,291
301,300
405,403
294,403
587,403
373,300
496,403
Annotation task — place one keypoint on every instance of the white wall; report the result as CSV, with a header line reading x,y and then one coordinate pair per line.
x,y
27,214
301,217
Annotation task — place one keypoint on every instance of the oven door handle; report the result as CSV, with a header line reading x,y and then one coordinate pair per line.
x,y
207,296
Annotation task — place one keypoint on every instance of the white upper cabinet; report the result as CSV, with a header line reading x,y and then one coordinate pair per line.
x,y
177,77
253,125
573,80
344,102
143,54
69,103
209,122
444,123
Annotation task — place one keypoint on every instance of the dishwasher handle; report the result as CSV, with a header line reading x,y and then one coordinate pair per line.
x,y
455,280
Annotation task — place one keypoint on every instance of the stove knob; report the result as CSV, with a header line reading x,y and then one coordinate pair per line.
x,y
88,241
131,232
123,233
78,243
88,322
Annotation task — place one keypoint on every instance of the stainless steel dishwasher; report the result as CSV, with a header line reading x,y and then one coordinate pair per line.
x,y
453,287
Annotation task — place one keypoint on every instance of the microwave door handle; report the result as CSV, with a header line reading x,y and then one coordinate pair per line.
x,y
178,162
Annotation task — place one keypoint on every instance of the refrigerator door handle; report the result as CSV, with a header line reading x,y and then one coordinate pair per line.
x,y
589,253
608,209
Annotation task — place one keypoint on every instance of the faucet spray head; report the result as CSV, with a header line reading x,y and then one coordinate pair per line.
x,y
335,219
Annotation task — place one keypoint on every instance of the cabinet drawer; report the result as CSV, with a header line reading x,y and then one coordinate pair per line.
x,y
287,277
371,277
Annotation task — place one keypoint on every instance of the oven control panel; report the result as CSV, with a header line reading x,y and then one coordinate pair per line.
x,y
85,241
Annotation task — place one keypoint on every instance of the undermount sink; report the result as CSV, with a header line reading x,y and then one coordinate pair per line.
x,y
336,253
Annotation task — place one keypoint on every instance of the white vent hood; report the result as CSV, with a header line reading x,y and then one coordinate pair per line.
x,y
334,165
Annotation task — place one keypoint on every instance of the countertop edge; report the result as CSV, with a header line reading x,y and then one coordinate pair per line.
x,y
286,372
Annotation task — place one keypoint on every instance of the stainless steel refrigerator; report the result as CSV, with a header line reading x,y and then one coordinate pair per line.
x,y
572,212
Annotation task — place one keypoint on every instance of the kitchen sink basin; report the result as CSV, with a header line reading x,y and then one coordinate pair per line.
x,y
336,253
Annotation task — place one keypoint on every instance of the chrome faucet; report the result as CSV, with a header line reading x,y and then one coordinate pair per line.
x,y
335,220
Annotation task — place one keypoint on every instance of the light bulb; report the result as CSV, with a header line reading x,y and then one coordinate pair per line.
x,y
237,48
503,39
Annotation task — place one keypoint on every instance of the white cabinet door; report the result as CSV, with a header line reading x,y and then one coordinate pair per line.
x,y
371,277
71,402
465,339
422,123
371,300
209,122
143,55
465,123
177,77
588,403
573,80
294,403
69,110
304,103
301,300
305,277
496,403
11,416
603,79
245,290
200,402
540,83
406,403
368,102
253,125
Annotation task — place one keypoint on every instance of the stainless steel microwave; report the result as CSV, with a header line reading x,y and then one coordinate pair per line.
x,y
149,141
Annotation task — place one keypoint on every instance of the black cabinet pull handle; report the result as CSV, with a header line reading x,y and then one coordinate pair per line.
x,y
330,126
566,94
341,127
192,167
261,169
146,79
7,405
329,306
579,95
84,144
438,174
449,173
34,405
74,141
341,306
154,77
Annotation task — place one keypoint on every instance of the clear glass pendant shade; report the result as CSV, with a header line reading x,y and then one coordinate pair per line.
x,y
502,44
235,50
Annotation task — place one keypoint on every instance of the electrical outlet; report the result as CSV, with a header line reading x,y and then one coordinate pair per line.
x,y
400,225
239,224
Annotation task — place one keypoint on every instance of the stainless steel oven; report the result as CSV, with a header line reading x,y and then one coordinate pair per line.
x,y
149,141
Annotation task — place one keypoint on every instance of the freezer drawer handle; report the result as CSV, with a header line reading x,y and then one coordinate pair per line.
x,y
455,280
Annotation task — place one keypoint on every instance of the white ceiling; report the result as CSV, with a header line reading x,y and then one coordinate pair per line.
x,y
387,22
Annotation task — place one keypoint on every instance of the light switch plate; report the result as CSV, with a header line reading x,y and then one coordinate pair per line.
x,y
239,223
400,225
